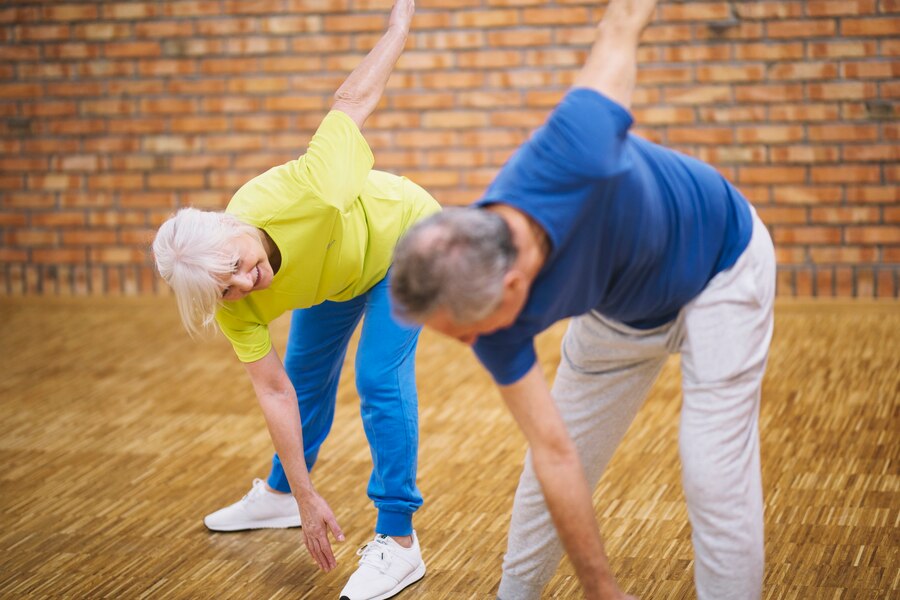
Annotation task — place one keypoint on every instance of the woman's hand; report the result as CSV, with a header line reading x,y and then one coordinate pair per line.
x,y
317,519
402,14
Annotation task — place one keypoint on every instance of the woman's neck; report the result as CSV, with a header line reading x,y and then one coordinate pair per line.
x,y
271,249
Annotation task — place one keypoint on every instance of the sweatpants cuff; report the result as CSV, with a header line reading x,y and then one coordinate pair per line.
x,y
279,483
393,523
513,588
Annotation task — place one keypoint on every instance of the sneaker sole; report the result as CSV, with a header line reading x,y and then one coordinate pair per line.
x,y
279,523
410,579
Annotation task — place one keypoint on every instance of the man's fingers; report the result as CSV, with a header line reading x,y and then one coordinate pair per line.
x,y
335,529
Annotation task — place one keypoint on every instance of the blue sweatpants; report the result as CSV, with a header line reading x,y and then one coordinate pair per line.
x,y
386,382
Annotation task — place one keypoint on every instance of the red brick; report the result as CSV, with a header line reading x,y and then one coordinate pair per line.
x,y
873,235
518,118
841,132
433,178
768,10
493,138
698,94
423,101
849,90
454,119
132,49
770,134
872,153
117,255
718,155
58,255
695,11
782,215
11,255
481,19
199,124
804,112
193,8
488,59
426,139
876,194
772,174
805,154
700,135
231,104
555,16
729,73
769,51
845,174
843,255
888,26
745,30
801,28
79,162
175,181
148,199
667,34
768,93
156,30
32,237
88,237
254,7
733,114
651,75
668,115
42,33
71,51
844,215
527,38
871,70
886,286
807,194
453,80
257,85
804,70
828,8
129,10
806,235
841,49
132,126
103,31
354,23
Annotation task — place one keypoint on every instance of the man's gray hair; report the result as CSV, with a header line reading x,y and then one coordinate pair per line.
x,y
455,259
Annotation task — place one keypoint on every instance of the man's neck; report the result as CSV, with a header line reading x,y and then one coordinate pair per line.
x,y
529,238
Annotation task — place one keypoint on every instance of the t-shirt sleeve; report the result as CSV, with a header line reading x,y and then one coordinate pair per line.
x,y
506,362
250,341
338,161
584,138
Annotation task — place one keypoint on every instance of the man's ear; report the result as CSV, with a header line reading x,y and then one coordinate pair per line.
x,y
514,282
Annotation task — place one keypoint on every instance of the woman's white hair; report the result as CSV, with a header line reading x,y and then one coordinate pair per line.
x,y
194,252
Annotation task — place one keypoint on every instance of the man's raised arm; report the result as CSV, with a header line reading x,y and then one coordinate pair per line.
x,y
611,67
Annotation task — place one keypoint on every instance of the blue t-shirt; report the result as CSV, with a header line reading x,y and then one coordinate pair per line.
x,y
636,230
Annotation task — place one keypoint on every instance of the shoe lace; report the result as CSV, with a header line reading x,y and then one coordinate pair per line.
x,y
254,492
377,554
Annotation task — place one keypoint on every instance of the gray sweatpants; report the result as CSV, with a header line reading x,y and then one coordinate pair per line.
x,y
606,370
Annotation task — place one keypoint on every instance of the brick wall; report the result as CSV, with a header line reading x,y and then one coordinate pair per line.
x,y
112,114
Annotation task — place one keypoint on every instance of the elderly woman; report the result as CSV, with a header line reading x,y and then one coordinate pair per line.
x,y
315,236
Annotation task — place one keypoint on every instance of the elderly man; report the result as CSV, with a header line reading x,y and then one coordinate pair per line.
x,y
652,253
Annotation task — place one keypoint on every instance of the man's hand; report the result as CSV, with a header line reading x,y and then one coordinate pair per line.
x,y
402,14
317,519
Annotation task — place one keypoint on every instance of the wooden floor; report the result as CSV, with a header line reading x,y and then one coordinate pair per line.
x,y
117,434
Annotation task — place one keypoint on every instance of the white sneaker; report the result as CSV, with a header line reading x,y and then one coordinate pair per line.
x,y
385,568
259,509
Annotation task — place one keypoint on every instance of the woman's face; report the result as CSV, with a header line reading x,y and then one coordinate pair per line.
x,y
252,270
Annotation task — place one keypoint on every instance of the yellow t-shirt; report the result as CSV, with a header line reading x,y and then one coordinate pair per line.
x,y
334,219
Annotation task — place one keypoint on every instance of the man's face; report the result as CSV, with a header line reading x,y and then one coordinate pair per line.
x,y
515,294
